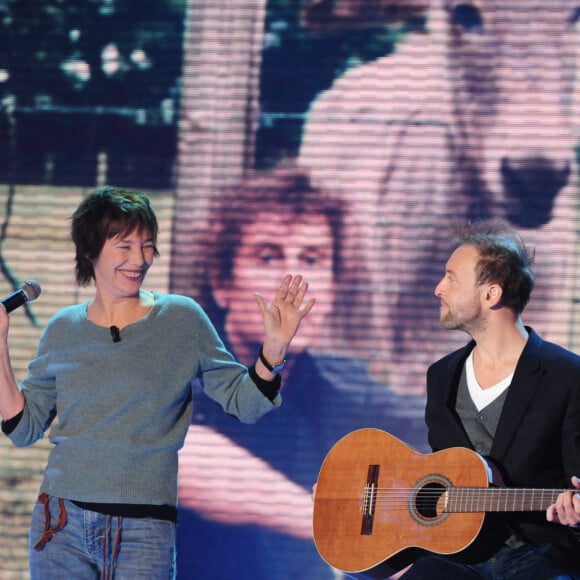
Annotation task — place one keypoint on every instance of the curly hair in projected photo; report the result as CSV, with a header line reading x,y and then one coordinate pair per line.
x,y
274,206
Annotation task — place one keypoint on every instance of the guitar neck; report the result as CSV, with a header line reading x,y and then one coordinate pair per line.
x,y
500,499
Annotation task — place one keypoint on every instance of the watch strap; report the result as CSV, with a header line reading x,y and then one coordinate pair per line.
x,y
272,368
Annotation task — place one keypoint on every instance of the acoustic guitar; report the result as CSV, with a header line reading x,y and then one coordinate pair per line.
x,y
379,503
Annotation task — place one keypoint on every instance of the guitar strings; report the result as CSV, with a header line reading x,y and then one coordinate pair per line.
x,y
461,499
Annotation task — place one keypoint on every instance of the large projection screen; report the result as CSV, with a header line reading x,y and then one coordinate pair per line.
x,y
342,139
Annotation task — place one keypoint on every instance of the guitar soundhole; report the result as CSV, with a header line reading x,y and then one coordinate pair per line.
x,y
427,501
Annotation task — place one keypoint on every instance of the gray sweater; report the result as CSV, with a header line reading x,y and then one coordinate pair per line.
x,y
124,408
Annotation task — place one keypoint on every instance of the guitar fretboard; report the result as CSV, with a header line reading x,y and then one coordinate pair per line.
x,y
492,499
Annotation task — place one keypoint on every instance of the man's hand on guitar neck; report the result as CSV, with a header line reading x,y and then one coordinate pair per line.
x,y
566,510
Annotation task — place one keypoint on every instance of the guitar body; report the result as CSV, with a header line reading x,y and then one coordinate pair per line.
x,y
379,503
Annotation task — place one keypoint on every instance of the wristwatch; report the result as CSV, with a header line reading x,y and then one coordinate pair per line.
x,y
272,368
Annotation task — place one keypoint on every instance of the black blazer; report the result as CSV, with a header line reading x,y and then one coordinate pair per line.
x,y
537,442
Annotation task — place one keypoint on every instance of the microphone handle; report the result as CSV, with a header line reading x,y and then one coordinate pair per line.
x,y
14,301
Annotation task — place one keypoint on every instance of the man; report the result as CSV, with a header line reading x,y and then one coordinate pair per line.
x,y
514,399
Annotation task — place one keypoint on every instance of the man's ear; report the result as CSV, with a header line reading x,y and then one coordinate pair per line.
x,y
494,295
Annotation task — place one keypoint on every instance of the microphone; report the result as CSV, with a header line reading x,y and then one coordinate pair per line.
x,y
29,292
115,333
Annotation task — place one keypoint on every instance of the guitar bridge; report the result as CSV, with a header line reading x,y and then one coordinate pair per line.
x,y
370,500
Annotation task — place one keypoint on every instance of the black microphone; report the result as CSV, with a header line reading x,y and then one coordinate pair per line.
x,y
115,333
29,292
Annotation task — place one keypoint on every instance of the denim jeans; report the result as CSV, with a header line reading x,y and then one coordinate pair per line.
x,y
524,563
136,548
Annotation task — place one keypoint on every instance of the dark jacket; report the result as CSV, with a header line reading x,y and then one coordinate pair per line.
x,y
537,442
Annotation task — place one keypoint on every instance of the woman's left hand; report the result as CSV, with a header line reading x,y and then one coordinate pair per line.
x,y
282,318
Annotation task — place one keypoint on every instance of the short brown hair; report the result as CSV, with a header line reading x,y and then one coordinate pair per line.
x,y
104,214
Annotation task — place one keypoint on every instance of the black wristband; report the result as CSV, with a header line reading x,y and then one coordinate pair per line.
x,y
268,388
10,424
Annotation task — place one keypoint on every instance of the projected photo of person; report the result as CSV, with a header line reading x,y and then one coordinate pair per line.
x,y
245,491
404,115
471,116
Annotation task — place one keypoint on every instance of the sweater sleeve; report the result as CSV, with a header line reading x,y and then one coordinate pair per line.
x,y
39,389
235,387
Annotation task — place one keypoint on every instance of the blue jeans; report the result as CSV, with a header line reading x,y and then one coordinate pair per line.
x,y
91,546
524,563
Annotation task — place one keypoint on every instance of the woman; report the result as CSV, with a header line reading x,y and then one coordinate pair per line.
x,y
117,372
